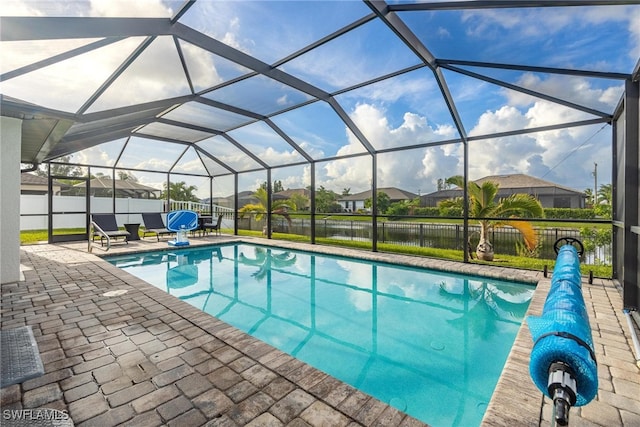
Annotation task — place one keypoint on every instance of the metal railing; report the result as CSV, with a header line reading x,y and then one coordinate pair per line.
x,y
505,240
95,229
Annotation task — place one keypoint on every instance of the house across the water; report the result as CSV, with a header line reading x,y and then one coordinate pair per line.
x,y
549,194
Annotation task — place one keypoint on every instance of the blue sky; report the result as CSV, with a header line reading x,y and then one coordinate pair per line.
x,y
398,112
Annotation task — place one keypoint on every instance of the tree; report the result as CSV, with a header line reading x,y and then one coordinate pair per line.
x,y
61,169
400,208
382,202
259,209
605,196
127,176
589,193
180,191
327,201
442,184
300,200
276,188
482,204
413,204
346,191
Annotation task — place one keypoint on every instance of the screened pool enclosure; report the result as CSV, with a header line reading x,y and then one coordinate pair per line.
x,y
313,108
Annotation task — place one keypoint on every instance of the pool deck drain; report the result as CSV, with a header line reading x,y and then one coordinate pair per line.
x,y
144,358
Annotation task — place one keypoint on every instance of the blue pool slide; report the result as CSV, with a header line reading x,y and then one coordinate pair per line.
x,y
563,363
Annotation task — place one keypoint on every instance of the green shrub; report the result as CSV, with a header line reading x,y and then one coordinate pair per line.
x,y
454,211
424,211
567,213
397,210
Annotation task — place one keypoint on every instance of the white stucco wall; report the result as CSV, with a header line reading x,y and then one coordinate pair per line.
x,y
10,143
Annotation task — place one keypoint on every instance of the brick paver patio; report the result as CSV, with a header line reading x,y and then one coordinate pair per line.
x,y
141,357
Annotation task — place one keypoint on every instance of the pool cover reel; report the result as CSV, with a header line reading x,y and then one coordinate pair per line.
x,y
563,364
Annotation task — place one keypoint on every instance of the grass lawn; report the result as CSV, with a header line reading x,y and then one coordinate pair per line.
x,y
30,237
526,263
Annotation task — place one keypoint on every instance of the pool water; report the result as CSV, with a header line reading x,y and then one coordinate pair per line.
x,y
429,343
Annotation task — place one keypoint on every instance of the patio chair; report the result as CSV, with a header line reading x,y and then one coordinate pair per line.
x,y
153,224
212,225
106,227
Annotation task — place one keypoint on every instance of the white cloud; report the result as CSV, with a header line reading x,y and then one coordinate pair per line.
x,y
634,33
201,65
506,117
124,8
443,33
564,156
221,21
94,8
542,22
570,152
230,36
282,101
156,74
411,170
578,90
154,164
271,156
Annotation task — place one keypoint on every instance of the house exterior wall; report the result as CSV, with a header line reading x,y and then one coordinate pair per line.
x,y
353,205
10,146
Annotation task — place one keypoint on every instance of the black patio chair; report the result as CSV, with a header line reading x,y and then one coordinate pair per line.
x,y
213,226
105,226
153,224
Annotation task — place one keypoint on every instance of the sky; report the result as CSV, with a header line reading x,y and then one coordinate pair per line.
x,y
398,112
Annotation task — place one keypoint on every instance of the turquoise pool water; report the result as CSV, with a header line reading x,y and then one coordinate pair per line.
x,y
431,344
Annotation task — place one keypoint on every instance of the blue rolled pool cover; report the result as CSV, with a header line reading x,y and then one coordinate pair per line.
x,y
562,333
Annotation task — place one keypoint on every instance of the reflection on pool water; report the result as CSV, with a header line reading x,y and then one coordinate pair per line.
x,y
429,343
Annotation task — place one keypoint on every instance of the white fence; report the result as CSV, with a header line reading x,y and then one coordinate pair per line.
x,y
175,205
34,210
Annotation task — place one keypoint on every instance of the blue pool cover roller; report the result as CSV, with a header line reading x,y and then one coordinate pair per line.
x,y
563,363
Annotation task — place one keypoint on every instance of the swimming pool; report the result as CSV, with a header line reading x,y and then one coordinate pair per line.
x,y
430,343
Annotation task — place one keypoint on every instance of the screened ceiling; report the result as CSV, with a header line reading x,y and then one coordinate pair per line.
x,y
215,88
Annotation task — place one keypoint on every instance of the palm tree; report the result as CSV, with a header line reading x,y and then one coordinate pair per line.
x,y
588,192
179,191
482,204
278,207
605,194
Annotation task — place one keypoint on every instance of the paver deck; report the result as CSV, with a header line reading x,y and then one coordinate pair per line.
x,y
118,351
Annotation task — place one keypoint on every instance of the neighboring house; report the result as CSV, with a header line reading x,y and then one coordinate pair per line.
x,y
287,194
549,194
30,183
103,187
355,202
246,197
